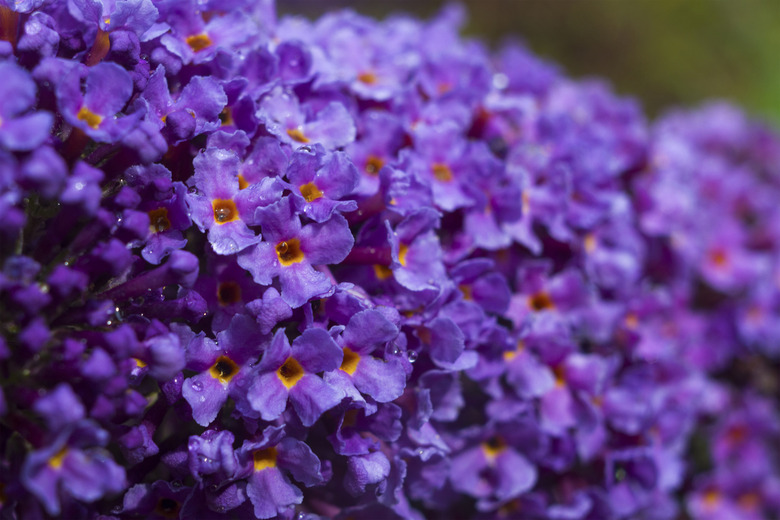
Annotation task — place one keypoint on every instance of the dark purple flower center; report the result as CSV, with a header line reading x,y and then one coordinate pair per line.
x,y
167,507
226,116
493,447
224,369
158,220
540,301
228,293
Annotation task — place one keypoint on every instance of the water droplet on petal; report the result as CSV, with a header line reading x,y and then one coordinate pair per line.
x,y
213,487
222,214
116,509
193,190
411,356
202,399
197,386
500,81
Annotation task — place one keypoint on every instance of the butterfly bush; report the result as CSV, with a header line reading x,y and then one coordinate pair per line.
x,y
275,268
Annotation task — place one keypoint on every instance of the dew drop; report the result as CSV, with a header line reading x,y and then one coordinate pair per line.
x,y
79,186
411,356
222,214
109,322
221,509
193,190
197,386
500,81
176,483
202,399
395,350
116,509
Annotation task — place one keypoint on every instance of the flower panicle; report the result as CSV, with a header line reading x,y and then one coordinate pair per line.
x,y
274,268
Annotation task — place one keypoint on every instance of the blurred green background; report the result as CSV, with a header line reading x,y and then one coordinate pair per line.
x,y
665,52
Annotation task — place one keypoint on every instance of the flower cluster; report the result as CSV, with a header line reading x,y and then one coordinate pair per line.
x,y
261,268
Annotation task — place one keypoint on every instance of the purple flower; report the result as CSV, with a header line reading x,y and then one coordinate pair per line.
x,y
96,109
321,180
382,379
75,465
222,366
287,372
281,111
267,462
492,470
20,130
290,251
220,206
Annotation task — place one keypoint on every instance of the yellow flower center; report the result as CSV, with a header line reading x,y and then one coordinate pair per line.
x,y
225,210
442,172
402,250
373,165
289,252
198,42
382,272
310,192
264,459
296,134
290,373
351,360
92,119
57,460
224,369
